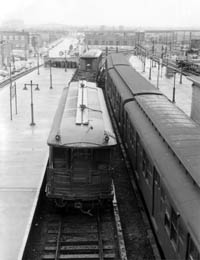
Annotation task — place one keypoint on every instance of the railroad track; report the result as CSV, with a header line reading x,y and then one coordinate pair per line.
x,y
17,76
59,234
75,236
143,211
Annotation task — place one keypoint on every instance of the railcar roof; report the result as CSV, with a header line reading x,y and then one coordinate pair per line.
x,y
180,132
136,82
82,118
131,78
116,59
181,189
93,53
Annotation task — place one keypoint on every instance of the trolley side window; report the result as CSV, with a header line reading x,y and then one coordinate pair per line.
x,y
172,223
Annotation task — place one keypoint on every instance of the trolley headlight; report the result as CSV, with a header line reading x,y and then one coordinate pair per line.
x,y
57,137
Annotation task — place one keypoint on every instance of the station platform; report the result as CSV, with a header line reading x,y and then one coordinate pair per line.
x,y
183,92
24,154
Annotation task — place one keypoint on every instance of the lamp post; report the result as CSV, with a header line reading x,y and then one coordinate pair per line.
x,y
65,61
181,75
173,97
50,75
13,60
150,68
158,74
32,110
144,61
10,91
38,64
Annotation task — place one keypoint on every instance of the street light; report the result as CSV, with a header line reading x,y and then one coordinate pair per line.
x,y
50,75
174,88
65,61
158,74
13,60
38,64
32,110
150,68
10,91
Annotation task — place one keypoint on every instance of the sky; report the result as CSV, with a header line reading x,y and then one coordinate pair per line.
x,y
136,13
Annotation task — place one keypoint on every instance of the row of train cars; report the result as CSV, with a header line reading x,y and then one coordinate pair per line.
x,y
162,142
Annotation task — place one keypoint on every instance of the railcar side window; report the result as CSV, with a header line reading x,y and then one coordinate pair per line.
x,y
162,197
171,223
174,226
167,216
144,159
193,253
181,235
146,167
133,136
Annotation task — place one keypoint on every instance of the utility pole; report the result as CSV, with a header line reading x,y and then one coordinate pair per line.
x,y
65,60
38,64
50,75
158,75
150,69
10,92
173,97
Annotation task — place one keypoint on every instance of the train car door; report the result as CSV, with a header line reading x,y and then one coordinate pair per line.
x,y
156,197
81,164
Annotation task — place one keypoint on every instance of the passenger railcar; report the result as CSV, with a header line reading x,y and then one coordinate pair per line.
x,y
90,63
81,143
164,147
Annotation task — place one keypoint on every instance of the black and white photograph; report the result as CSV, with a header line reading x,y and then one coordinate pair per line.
x,y
99,130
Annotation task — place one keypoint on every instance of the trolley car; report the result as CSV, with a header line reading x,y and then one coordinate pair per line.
x,y
81,144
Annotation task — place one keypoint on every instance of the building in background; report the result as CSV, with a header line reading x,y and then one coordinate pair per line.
x,y
19,41
5,54
110,38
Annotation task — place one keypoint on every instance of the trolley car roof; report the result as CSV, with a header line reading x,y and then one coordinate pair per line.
x,y
82,118
93,53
